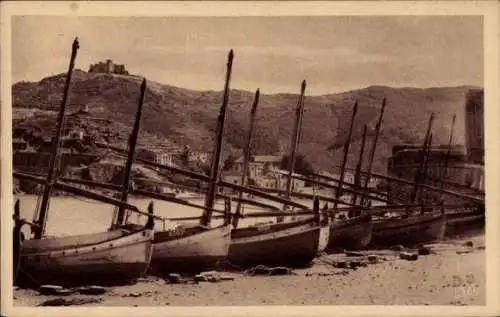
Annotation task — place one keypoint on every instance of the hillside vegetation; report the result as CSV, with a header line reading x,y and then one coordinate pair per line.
x,y
179,116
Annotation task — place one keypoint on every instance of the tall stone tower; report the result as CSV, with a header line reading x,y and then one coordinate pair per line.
x,y
474,125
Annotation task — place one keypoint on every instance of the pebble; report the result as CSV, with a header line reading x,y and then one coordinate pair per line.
x,y
54,290
408,256
469,244
373,259
340,264
355,264
174,278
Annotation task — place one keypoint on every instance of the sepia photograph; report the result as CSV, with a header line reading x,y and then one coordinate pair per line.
x,y
224,154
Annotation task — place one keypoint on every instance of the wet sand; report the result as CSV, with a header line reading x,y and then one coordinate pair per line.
x,y
453,274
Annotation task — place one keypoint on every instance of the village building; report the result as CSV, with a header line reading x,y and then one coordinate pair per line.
x,y
348,178
164,158
282,180
199,156
263,171
258,165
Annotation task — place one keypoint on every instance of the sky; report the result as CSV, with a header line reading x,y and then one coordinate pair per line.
x,y
332,53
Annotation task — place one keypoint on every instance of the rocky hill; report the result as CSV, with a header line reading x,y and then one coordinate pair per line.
x,y
181,116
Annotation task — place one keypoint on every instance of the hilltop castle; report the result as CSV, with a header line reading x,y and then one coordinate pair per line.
x,y
108,67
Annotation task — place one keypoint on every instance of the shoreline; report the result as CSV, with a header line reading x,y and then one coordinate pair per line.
x,y
452,274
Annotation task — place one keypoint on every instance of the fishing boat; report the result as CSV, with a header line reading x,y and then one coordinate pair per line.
x,y
463,221
108,258
353,230
192,248
113,257
292,243
408,230
351,233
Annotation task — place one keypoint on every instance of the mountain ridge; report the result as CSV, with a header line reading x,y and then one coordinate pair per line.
x,y
188,117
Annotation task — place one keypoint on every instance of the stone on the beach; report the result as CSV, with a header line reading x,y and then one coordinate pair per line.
x,y
463,251
372,259
350,253
54,290
214,278
92,290
280,270
355,264
200,278
408,256
174,278
265,270
210,276
469,244
227,278
149,279
339,264
133,294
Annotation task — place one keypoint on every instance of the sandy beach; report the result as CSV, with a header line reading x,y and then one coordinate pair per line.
x,y
452,274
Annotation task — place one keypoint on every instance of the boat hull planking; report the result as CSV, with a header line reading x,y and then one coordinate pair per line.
x,y
292,244
119,260
351,234
414,230
190,250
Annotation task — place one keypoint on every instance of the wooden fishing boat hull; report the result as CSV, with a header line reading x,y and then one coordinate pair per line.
x,y
463,223
413,230
190,250
16,251
291,244
352,233
113,258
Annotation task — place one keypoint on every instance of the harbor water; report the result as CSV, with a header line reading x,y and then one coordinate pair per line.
x,y
71,215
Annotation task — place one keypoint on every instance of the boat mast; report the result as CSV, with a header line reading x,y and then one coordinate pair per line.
x,y
247,156
372,151
293,146
130,158
214,172
357,173
448,152
42,217
344,160
418,173
426,166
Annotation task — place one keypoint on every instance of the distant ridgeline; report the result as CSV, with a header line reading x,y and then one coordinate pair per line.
x,y
108,67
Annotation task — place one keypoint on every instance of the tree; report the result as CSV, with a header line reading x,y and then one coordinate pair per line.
x,y
228,163
302,166
184,157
